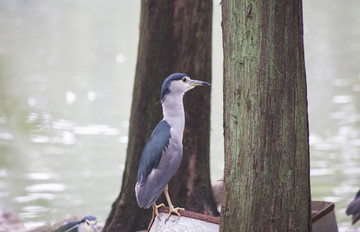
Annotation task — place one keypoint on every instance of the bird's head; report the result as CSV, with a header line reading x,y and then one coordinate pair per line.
x,y
88,224
178,83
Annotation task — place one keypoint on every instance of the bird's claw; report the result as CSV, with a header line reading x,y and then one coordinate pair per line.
x,y
157,211
175,211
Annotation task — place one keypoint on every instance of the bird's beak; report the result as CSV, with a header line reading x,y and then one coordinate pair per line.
x,y
197,83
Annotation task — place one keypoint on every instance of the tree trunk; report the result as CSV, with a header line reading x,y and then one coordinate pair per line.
x,y
175,36
266,176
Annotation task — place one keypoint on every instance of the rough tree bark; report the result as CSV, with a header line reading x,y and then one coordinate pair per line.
x,y
175,36
267,186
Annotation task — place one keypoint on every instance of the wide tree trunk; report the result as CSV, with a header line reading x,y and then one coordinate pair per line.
x,y
267,186
175,36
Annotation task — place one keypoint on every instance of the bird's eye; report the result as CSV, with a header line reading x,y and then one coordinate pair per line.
x,y
184,79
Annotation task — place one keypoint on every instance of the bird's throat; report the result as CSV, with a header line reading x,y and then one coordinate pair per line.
x,y
173,111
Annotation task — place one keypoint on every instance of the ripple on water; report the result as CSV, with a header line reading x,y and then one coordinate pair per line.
x,y
96,129
32,212
321,172
342,99
50,187
62,124
67,138
35,197
38,176
34,224
32,117
6,136
124,139
40,139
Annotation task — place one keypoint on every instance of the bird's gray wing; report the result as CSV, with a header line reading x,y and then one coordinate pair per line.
x,y
151,155
149,161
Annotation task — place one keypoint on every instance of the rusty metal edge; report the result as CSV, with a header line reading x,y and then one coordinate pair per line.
x,y
194,215
324,211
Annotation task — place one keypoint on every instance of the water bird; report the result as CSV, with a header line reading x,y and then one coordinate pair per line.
x,y
354,208
163,151
87,224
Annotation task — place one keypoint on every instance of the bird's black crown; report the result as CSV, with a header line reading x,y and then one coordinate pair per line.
x,y
166,84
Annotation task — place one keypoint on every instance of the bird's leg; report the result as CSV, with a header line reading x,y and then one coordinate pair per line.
x,y
171,207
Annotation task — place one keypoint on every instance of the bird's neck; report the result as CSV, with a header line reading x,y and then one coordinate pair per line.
x,y
173,111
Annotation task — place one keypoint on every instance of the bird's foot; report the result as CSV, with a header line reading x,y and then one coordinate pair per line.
x,y
156,209
155,214
173,210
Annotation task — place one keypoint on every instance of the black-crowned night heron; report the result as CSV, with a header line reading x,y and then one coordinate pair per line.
x,y
162,154
87,224
354,208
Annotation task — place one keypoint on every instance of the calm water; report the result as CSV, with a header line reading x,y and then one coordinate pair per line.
x,y
66,76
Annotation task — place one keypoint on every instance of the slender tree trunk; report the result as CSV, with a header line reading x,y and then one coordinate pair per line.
x,y
175,36
266,175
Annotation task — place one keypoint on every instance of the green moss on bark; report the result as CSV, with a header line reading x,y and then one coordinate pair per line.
x,y
266,174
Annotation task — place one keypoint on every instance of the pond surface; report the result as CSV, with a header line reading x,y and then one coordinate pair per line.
x,y
66,77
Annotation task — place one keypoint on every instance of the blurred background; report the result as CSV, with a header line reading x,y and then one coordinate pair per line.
x,y
66,78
